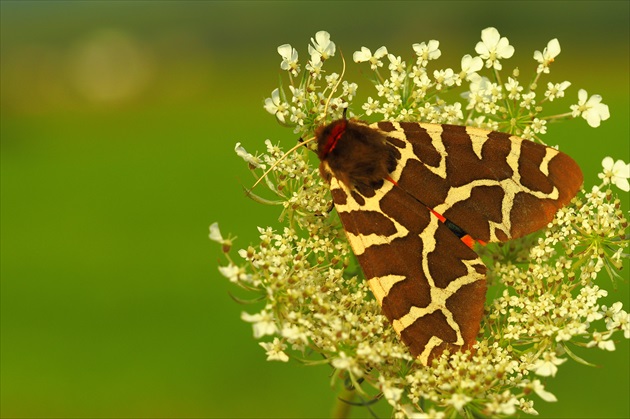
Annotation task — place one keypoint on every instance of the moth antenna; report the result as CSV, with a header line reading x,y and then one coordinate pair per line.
x,y
273,166
332,92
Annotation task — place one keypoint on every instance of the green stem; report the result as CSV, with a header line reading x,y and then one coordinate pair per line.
x,y
343,405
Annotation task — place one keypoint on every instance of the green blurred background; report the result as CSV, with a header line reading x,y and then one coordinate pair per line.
x,y
118,125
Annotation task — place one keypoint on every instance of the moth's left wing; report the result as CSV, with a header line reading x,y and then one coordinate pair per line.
x,y
430,285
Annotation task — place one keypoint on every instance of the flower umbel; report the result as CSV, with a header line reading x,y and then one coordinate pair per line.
x,y
310,301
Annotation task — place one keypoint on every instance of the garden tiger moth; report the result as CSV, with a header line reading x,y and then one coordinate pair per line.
x,y
413,197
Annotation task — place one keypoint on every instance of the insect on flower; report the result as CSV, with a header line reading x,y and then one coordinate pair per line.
x,y
414,198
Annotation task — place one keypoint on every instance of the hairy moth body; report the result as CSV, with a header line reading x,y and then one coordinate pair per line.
x,y
413,196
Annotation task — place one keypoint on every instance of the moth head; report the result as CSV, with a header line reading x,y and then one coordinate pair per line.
x,y
328,136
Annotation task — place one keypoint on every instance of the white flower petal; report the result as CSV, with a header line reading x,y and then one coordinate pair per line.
x,y
230,272
621,169
553,48
623,184
215,233
490,36
381,52
285,51
542,393
608,163
361,56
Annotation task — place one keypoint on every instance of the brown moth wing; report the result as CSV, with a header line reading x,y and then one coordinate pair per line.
x,y
431,286
494,186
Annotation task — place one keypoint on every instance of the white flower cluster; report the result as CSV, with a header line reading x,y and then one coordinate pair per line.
x,y
311,303
308,105
414,93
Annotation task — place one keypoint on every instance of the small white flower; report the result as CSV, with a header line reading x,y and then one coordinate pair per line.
x,y
289,59
539,389
274,106
493,47
444,77
275,350
547,366
366,55
616,172
297,115
513,88
564,334
423,82
590,109
231,272
370,106
556,90
251,160
314,66
546,57
507,406
263,323
396,64
294,333
602,341
458,401
427,52
617,255
453,113
391,393
528,100
344,362
527,406
349,90
243,253
322,45
470,66
539,126
614,309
